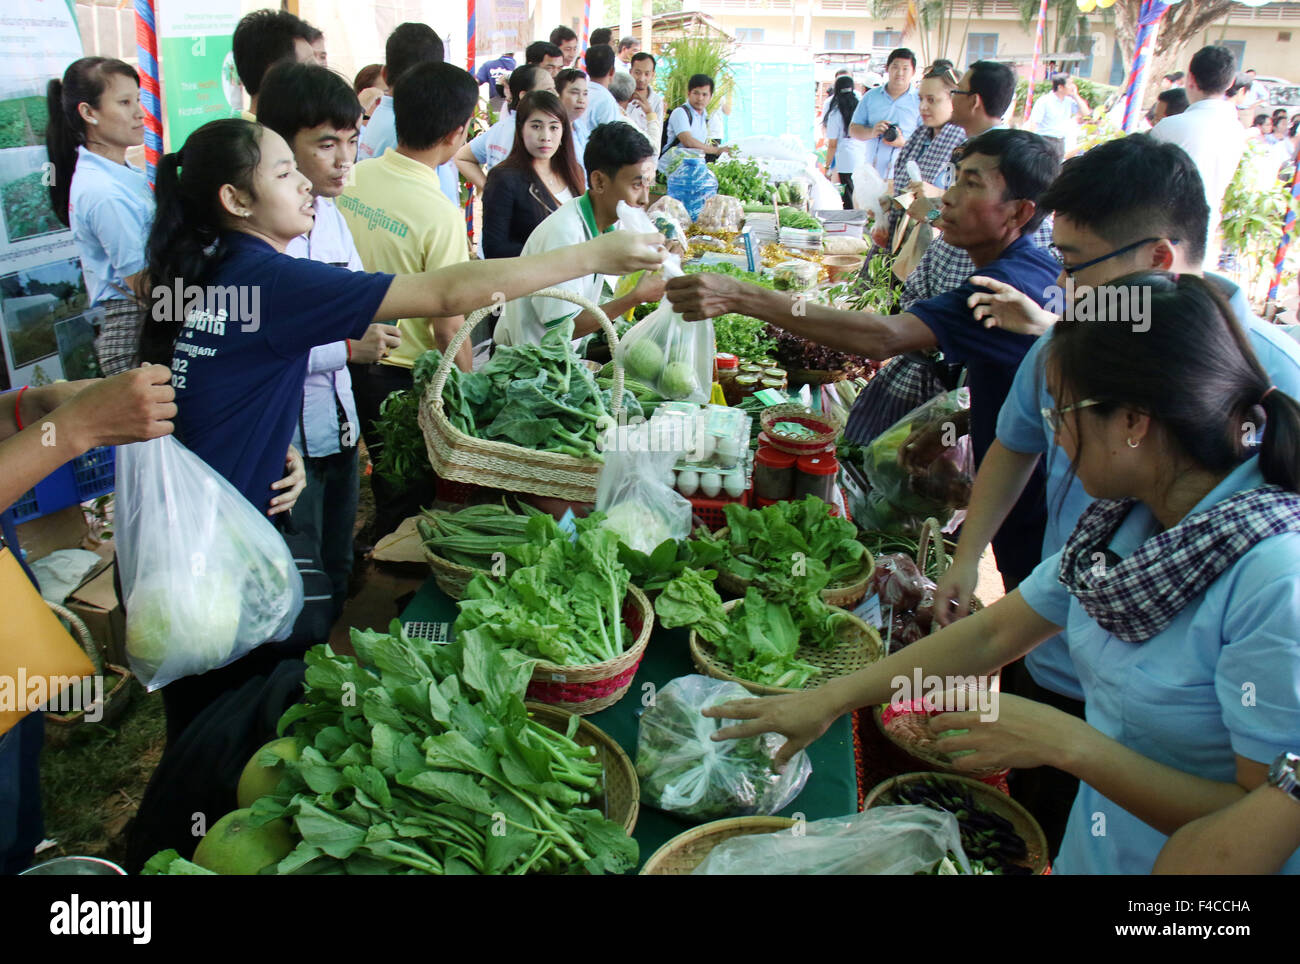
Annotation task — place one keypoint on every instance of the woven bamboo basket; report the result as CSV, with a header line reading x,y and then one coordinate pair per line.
x,y
827,429
686,851
987,797
845,596
932,541
590,688
117,685
621,796
500,465
816,376
451,577
859,646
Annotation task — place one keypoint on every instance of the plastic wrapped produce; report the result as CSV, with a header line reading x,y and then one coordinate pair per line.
x,y
721,213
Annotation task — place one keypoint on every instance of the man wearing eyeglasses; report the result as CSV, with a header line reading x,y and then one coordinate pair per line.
x,y
1128,205
990,211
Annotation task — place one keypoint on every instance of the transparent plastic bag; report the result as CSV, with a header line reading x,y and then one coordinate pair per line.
x,y
868,188
721,213
683,771
663,351
671,208
882,840
635,489
205,576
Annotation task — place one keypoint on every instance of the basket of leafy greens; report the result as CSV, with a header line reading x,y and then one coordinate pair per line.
x,y
684,772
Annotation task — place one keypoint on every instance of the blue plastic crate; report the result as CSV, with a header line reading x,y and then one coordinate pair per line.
x,y
56,491
94,473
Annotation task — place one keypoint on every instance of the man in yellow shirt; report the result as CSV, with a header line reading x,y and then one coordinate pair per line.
x,y
402,222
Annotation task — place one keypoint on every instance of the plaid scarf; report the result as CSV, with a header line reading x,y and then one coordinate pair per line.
x,y
1137,598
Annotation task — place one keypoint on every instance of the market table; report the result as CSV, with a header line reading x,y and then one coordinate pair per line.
x,y
831,791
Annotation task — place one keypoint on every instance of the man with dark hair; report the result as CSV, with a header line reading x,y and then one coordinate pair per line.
x,y
601,107
317,40
646,109
408,45
1054,115
981,101
567,41
316,112
1128,205
546,55
627,49
1209,130
402,222
601,37
990,210
263,38
688,125
888,114
1170,81
618,162
1169,103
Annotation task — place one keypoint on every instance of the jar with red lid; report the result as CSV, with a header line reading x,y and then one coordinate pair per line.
x,y
774,474
815,475
725,369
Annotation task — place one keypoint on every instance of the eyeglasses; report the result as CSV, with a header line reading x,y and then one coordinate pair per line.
x,y
958,90
1073,269
1054,416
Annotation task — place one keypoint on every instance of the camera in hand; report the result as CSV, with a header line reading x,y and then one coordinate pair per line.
x,y
891,133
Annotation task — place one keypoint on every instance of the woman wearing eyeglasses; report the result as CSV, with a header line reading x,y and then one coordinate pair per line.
x,y
1177,591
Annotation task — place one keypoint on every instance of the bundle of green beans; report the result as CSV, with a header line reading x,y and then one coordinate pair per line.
x,y
474,535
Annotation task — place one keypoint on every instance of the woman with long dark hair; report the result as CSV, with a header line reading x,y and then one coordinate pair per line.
x,y
477,158
94,117
843,153
1176,590
541,173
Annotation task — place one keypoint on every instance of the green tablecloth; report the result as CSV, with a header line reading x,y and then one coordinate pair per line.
x,y
831,791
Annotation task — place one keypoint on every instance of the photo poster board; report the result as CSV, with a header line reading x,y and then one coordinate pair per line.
x,y
199,81
501,26
41,289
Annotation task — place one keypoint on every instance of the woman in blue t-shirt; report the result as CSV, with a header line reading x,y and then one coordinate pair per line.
x,y
1179,589
94,118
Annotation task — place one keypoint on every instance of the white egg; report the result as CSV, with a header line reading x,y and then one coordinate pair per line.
x,y
734,484
710,484
687,482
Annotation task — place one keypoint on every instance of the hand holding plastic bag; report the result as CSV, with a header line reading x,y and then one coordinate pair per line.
x,y
882,840
635,490
205,576
685,772
663,351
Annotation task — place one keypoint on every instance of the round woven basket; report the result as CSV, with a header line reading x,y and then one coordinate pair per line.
x,y
990,799
810,376
117,685
686,851
590,688
451,577
499,465
844,596
826,428
859,646
621,790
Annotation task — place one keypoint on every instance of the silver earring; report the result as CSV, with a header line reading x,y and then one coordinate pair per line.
x,y
1132,444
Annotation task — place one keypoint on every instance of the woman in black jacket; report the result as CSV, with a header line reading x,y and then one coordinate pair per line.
x,y
541,173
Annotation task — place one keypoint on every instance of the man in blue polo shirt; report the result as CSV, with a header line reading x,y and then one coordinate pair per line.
x,y
887,115
990,211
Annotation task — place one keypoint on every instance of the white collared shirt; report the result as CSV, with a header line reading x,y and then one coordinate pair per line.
x,y
1214,139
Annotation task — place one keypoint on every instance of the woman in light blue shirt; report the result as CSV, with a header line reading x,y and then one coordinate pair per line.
x,y
95,115
843,151
1179,590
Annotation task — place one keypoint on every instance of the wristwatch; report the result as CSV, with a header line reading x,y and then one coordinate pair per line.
x,y
1282,774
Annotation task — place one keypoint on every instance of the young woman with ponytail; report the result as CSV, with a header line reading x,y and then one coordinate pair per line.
x,y
1178,591
843,153
94,116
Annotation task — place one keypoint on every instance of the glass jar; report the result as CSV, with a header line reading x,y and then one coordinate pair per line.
x,y
774,474
726,368
815,475
746,385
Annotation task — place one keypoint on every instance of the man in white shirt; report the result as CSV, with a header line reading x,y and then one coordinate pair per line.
x,y
1209,131
688,125
601,106
628,48
646,111
1053,117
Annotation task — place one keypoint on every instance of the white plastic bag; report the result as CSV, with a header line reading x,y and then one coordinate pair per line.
x,y
685,772
205,576
868,188
635,488
663,351
882,840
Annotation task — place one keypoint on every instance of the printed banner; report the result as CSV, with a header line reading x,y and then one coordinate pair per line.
x,y
42,294
501,26
198,70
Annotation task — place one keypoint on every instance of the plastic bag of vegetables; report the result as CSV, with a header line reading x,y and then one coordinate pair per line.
x,y
664,351
635,488
205,576
684,772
